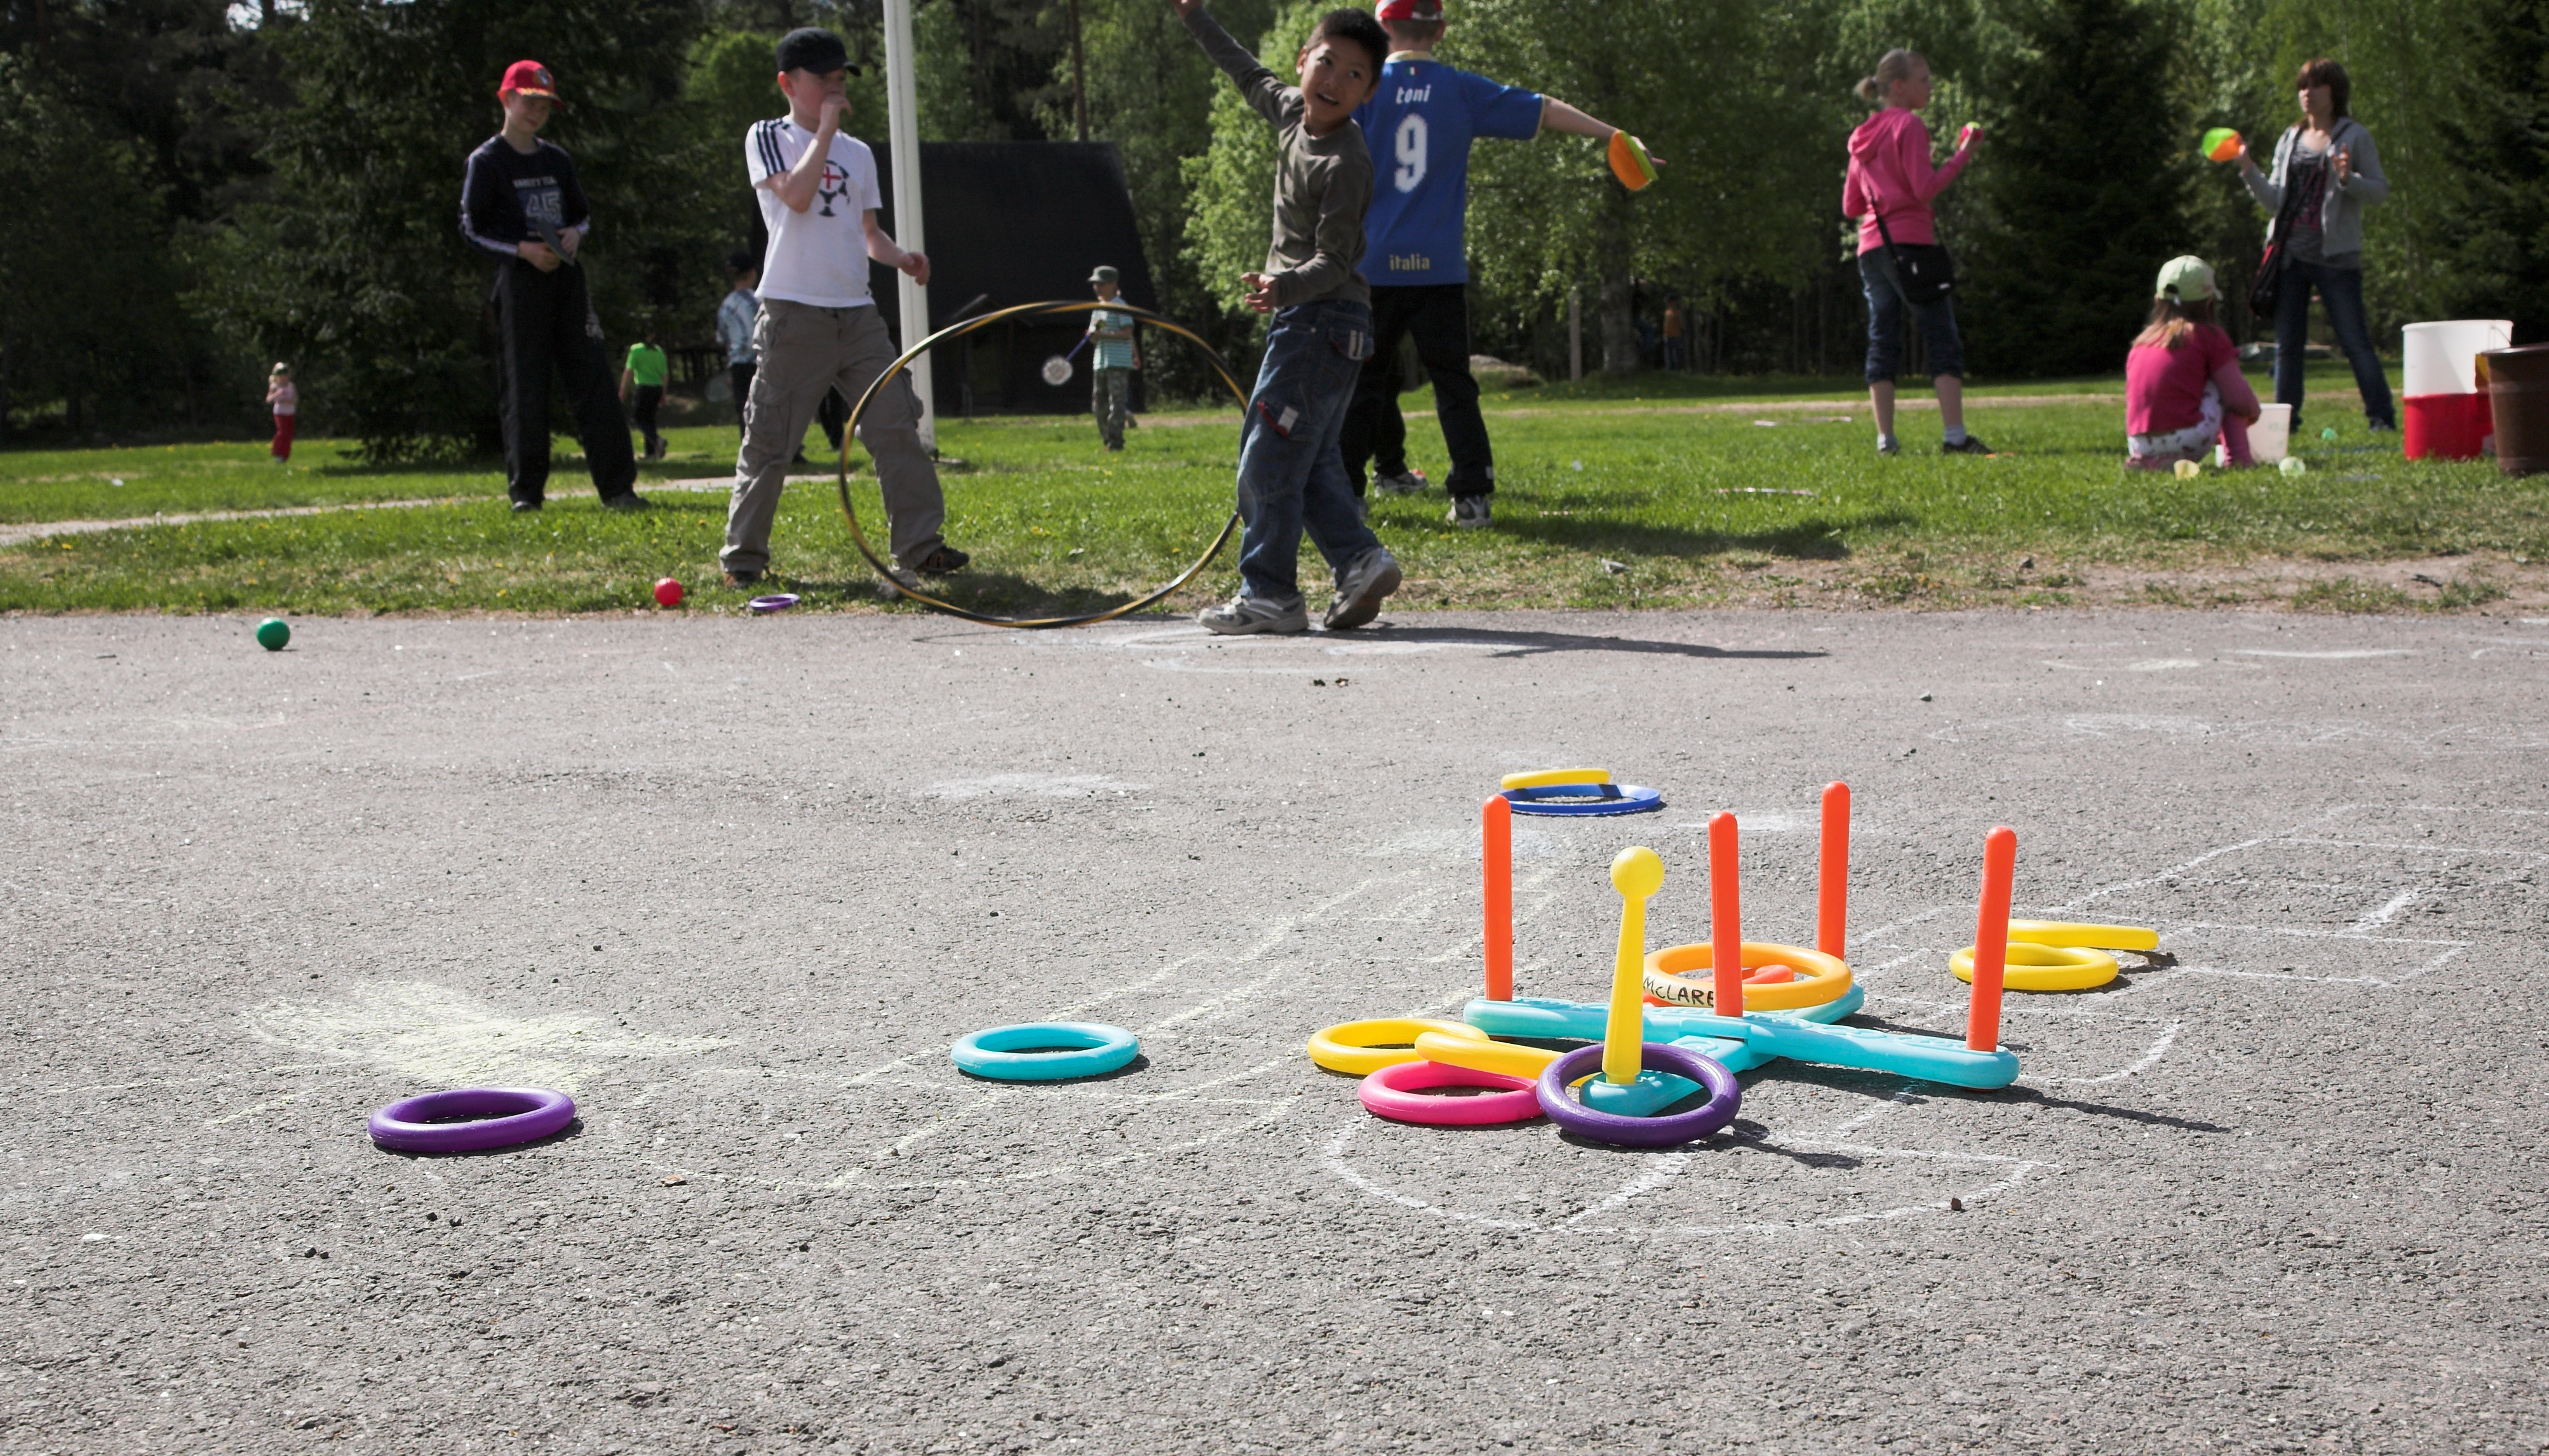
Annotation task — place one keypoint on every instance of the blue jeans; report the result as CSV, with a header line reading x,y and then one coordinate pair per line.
x,y
2341,290
1291,469
1885,306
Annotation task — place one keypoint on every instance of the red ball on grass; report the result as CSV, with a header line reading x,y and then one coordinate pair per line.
x,y
668,593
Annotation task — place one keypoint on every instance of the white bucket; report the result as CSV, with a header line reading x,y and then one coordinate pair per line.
x,y
2442,358
2269,440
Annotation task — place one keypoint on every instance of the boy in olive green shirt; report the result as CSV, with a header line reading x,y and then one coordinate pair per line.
x,y
646,369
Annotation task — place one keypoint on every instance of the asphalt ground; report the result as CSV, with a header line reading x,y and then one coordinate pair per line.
x,y
737,884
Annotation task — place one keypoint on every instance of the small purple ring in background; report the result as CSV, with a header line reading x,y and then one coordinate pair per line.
x,y
779,601
1725,1096
471,1120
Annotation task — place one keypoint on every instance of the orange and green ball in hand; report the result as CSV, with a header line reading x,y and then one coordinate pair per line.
x,y
1630,162
2222,145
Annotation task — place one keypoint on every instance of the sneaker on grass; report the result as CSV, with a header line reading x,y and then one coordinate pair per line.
x,y
628,501
1243,614
1969,445
946,560
1405,483
1469,513
1361,588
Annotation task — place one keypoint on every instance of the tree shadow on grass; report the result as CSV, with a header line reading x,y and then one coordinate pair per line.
x,y
1816,538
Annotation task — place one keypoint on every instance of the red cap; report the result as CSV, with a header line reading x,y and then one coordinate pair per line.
x,y
529,78
1416,10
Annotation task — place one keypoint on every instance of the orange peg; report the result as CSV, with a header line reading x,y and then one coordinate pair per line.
x,y
1832,890
1990,940
1496,828
1726,916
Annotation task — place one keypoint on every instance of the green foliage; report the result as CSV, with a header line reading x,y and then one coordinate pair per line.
x,y
90,289
2077,197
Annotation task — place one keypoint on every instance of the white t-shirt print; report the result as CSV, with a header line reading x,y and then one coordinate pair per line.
x,y
819,256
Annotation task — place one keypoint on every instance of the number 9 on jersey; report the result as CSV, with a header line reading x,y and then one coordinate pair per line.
x,y
1410,144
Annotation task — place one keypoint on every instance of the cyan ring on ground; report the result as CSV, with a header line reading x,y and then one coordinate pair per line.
x,y
1584,798
1093,1049
1725,1096
471,1118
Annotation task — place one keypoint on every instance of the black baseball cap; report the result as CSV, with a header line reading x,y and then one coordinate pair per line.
x,y
816,49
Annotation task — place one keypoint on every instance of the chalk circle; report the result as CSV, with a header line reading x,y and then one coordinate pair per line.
x,y
2035,967
1396,1092
1816,977
1725,1095
1584,799
776,602
1362,1048
471,1118
1086,1050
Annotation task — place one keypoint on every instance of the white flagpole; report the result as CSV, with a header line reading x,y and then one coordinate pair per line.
x,y
903,122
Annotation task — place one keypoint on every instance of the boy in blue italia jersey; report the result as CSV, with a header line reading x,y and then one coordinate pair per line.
x,y
1419,122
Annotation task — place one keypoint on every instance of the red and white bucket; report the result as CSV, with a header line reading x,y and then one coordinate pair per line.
x,y
2446,401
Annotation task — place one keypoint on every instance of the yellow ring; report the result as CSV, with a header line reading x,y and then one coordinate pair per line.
x,y
850,427
1485,1056
2064,933
1362,1048
1820,977
1551,777
2034,967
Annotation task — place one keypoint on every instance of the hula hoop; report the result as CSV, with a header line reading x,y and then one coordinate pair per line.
x,y
1725,1096
2065,932
849,432
2032,966
1357,1047
471,1118
1093,1049
1820,977
1393,1092
1583,799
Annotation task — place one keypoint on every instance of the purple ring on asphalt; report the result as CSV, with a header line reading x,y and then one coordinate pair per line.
x,y
1725,1096
776,602
471,1118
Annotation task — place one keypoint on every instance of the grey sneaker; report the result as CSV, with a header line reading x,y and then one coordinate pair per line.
x,y
1405,483
1470,512
1366,579
1243,614
1888,445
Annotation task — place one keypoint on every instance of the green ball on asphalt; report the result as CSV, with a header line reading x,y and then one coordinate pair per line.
x,y
272,633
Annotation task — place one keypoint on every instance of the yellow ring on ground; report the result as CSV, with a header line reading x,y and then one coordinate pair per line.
x,y
2032,966
1820,977
1362,1048
1551,778
2065,932
850,429
1485,1056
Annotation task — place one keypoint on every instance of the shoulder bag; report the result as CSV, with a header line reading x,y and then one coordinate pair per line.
x,y
1923,270
2268,287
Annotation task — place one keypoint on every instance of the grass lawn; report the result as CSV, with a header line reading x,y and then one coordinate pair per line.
x,y
1648,494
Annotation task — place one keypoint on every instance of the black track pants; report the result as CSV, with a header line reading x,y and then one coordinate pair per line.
x,y
1437,317
544,320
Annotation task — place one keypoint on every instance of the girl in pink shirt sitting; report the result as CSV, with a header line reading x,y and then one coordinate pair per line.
x,y
2183,389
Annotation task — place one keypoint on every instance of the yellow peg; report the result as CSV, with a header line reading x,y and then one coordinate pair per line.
x,y
1636,874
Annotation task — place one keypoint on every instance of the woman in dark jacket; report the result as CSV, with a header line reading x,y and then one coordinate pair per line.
x,y
2330,161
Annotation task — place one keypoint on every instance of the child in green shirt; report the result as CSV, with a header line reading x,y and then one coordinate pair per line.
x,y
646,369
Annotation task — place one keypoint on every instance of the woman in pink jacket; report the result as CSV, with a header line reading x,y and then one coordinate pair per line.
x,y
1890,178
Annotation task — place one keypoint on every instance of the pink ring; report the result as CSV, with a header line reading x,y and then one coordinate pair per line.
x,y
1392,1093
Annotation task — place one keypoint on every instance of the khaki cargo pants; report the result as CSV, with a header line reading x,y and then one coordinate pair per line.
x,y
805,352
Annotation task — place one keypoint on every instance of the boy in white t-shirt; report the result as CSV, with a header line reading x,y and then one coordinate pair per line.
x,y
819,328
